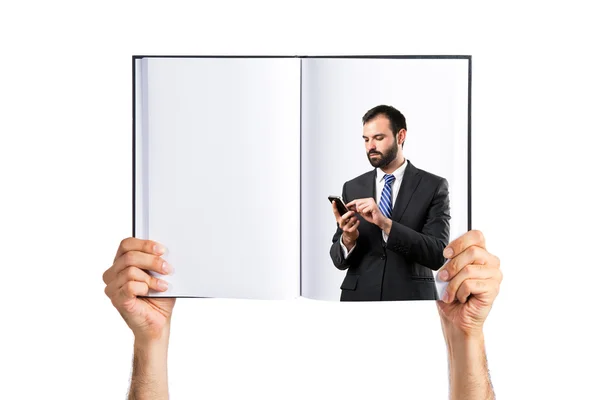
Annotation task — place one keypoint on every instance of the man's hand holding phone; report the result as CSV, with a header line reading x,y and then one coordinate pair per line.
x,y
348,223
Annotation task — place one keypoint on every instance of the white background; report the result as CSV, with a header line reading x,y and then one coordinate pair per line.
x,y
65,125
433,96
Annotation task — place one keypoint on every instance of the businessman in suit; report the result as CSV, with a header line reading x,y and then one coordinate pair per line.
x,y
398,222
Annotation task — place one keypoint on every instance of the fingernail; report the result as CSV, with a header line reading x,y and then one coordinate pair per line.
x,y
166,268
159,248
162,285
444,275
448,252
445,297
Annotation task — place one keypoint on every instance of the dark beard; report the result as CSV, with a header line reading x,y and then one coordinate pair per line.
x,y
385,158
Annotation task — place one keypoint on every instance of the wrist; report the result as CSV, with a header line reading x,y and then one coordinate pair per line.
x,y
386,225
151,352
156,340
151,345
458,337
349,243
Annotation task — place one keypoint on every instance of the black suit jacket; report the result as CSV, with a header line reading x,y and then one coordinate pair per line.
x,y
400,269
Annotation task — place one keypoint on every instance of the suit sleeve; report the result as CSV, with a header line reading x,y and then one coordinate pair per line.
x,y
336,252
426,247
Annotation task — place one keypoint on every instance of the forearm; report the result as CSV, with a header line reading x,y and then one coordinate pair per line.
x,y
468,369
149,376
426,246
425,249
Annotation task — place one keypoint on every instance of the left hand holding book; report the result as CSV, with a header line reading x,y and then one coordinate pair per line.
x,y
128,280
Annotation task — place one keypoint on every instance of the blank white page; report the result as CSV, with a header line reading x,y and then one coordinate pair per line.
x,y
223,168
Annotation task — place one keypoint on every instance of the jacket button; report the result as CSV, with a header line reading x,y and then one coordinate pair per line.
x,y
383,257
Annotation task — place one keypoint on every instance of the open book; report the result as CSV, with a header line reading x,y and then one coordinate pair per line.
x,y
235,157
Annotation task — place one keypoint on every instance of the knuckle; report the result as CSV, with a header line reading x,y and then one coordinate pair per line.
x,y
466,286
478,235
125,243
105,276
471,252
451,289
130,273
470,269
128,258
148,246
129,286
451,268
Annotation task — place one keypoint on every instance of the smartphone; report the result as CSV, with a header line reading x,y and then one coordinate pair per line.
x,y
339,203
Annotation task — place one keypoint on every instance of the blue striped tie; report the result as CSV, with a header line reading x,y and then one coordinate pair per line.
x,y
385,203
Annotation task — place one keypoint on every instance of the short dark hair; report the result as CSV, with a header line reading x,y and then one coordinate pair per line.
x,y
397,120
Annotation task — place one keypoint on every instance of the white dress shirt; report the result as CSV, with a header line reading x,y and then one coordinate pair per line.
x,y
379,185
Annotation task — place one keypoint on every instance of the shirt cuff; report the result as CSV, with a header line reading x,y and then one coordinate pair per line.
x,y
345,250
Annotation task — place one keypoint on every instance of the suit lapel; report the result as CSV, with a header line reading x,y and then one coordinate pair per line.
x,y
365,190
367,185
372,185
410,181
